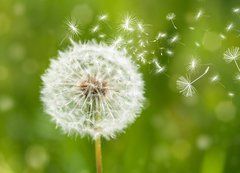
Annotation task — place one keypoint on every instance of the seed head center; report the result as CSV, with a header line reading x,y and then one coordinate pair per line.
x,y
94,87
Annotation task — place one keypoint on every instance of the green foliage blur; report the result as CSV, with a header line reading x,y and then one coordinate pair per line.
x,y
174,134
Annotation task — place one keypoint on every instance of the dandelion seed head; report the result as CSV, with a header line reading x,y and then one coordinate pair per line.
x,y
92,89
231,54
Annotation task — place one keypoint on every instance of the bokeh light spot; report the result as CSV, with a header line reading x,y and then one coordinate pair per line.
x,y
225,111
211,41
36,157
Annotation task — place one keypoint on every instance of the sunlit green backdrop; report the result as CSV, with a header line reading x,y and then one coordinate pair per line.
x,y
174,134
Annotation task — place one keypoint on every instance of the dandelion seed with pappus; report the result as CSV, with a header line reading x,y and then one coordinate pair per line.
x,y
185,85
232,54
171,17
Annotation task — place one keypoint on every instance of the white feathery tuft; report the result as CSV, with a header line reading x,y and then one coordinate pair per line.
x,y
93,89
231,54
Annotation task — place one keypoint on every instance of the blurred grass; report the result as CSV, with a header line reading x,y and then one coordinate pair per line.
x,y
173,134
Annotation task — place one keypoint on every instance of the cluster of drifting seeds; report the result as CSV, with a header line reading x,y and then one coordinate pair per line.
x,y
134,38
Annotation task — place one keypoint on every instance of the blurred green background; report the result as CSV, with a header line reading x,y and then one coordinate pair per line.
x,y
174,134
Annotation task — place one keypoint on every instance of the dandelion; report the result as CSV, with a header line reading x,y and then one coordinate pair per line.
x,y
171,17
185,85
232,54
93,89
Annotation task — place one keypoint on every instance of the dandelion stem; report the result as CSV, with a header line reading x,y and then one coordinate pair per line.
x,y
98,151
237,65
175,27
205,72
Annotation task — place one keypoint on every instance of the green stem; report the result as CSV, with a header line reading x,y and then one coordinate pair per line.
x,y
237,65
98,151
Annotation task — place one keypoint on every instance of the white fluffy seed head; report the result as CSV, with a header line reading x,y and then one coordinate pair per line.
x,y
93,89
